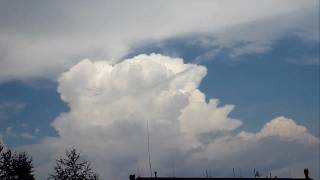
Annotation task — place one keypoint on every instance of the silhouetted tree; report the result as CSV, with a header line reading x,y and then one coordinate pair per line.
x,y
73,167
6,165
15,166
23,167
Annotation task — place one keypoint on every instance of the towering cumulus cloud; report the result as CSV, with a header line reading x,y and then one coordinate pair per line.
x,y
110,106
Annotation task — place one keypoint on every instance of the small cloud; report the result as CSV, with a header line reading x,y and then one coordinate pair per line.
x,y
250,48
207,56
27,135
9,133
9,108
8,129
36,130
305,61
287,128
24,125
16,106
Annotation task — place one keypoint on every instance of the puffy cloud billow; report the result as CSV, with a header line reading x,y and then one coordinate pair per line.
x,y
111,104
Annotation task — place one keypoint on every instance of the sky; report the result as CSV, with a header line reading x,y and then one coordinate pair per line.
x,y
221,84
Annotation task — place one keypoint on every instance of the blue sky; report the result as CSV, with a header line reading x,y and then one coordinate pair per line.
x,y
41,104
219,82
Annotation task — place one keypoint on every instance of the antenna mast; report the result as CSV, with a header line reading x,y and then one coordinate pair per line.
x,y
148,148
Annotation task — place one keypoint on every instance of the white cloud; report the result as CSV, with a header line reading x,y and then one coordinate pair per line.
x,y
36,131
111,104
279,147
11,133
45,38
26,135
305,60
201,117
9,109
286,128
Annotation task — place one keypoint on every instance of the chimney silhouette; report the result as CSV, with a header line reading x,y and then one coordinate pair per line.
x,y
132,177
306,173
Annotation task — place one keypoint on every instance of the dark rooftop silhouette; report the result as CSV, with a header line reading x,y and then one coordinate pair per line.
x,y
133,177
180,178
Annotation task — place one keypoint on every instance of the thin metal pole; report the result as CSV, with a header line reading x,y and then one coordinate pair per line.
x,y
148,148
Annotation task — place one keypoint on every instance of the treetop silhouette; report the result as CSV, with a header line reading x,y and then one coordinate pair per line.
x,y
73,167
15,166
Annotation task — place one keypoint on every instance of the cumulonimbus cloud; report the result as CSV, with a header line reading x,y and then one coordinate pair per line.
x,y
110,106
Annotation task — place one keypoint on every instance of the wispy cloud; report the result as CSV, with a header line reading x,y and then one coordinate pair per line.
x,y
109,29
8,108
26,135
305,61
10,133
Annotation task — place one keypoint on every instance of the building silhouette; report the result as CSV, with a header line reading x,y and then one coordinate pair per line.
x,y
133,177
